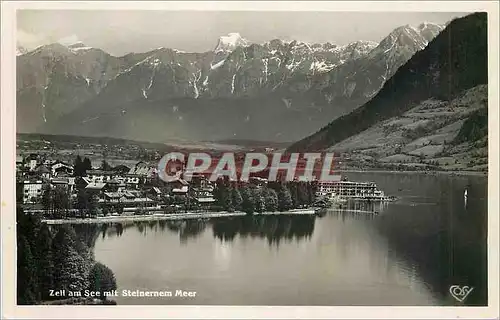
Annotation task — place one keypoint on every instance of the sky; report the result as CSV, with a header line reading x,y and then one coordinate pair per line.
x,y
121,32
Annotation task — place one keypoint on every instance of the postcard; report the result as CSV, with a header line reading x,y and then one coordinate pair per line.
x,y
250,159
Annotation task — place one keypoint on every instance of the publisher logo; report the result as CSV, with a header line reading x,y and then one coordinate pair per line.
x,y
460,293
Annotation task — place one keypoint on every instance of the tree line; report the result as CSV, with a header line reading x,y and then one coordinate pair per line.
x,y
81,166
273,197
56,201
55,260
474,128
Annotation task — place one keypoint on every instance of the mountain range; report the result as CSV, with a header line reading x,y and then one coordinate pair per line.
x,y
273,91
433,110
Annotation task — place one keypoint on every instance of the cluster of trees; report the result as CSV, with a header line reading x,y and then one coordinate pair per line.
x,y
55,260
105,166
273,197
57,202
428,129
415,133
81,166
474,128
86,201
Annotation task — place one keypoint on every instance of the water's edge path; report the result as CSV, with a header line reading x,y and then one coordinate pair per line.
x,y
162,216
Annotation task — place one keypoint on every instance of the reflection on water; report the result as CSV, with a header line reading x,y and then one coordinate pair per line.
x,y
366,209
436,230
403,253
272,228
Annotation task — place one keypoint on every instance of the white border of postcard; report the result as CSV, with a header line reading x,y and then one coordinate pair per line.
x,y
8,82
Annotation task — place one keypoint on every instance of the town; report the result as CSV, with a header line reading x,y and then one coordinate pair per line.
x,y
62,190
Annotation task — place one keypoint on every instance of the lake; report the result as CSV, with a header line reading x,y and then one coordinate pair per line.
x,y
410,253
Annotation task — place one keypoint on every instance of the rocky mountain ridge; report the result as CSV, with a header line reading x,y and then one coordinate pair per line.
x,y
61,88
433,109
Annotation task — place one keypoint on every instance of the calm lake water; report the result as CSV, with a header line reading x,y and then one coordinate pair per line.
x,y
408,254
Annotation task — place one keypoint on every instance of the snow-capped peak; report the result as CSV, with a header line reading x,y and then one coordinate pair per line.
x,y
230,42
425,25
73,44
406,30
408,36
79,46
430,30
20,50
69,40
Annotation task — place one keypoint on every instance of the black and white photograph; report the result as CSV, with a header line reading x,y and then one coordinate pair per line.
x,y
225,157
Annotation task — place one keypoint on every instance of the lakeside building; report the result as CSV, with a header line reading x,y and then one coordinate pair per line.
x,y
32,191
143,170
112,177
129,200
179,186
95,186
352,190
154,193
66,182
204,203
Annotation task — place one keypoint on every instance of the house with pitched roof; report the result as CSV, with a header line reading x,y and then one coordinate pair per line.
x,y
60,167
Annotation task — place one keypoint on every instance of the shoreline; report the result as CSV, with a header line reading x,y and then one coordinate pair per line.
x,y
176,216
451,173
289,212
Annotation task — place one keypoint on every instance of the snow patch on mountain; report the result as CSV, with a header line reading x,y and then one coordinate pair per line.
x,y
43,113
293,64
392,46
265,61
321,66
217,65
232,83
79,49
287,102
154,62
429,25
230,42
194,82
